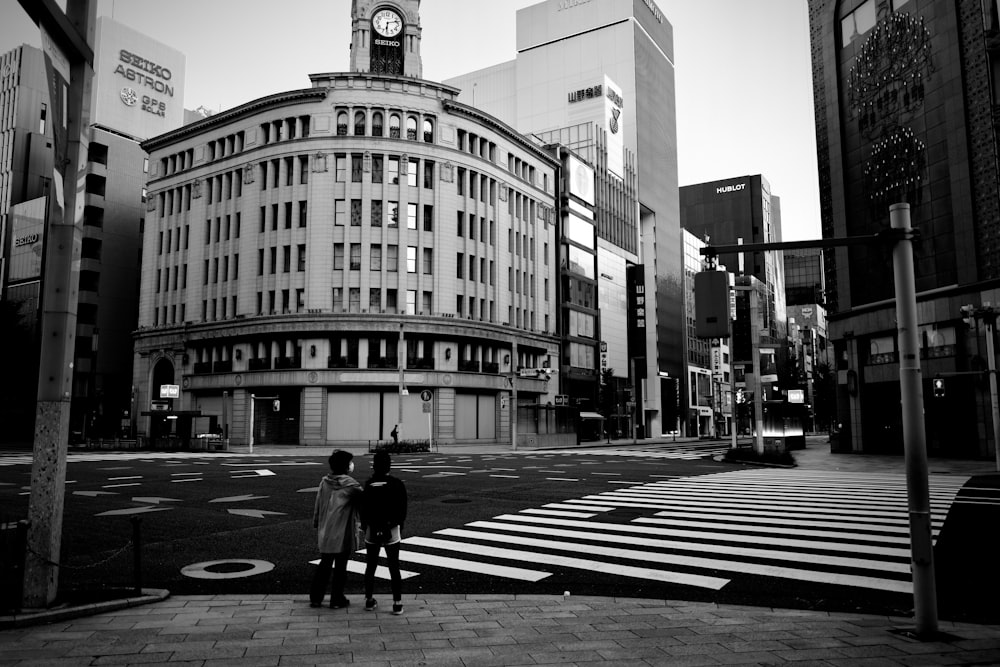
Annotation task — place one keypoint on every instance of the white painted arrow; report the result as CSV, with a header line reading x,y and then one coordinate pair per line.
x,y
93,494
311,489
236,499
252,473
154,500
257,514
134,510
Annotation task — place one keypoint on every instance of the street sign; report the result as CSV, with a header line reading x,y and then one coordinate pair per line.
x,y
170,391
427,407
562,399
425,396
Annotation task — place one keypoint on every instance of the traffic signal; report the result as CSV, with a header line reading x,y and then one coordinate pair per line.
x,y
968,314
938,387
277,405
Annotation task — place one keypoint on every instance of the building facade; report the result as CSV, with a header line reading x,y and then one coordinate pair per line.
x,y
322,265
925,136
609,66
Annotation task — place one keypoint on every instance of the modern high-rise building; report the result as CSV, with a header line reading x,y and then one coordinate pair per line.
x,y
322,265
906,110
137,92
598,77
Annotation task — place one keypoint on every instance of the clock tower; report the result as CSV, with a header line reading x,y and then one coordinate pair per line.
x,y
385,37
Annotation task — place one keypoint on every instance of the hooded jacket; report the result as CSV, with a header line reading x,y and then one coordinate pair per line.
x,y
335,514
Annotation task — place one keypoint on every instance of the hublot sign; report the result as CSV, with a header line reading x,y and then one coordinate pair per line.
x,y
730,188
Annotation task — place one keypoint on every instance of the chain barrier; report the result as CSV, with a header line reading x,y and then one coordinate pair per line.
x,y
45,560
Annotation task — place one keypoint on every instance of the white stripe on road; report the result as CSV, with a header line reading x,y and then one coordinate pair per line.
x,y
468,565
774,530
381,572
714,583
549,512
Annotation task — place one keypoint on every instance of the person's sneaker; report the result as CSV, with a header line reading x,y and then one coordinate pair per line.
x,y
370,604
397,608
340,604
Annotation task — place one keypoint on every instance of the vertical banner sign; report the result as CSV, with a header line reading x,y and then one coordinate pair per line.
x,y
635,281
613,121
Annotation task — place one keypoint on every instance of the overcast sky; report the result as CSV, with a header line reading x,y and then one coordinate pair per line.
x,y
744,81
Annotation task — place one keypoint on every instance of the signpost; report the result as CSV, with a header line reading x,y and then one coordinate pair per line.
x,y
426,397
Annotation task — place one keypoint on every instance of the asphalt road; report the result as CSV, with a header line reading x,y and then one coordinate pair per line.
x,y
592,524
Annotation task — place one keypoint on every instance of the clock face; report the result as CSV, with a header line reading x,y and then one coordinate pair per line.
x,y
387,23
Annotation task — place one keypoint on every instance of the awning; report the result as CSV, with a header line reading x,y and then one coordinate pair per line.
x,y
591,415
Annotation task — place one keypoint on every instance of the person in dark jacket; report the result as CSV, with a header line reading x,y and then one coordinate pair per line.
x,y
336,521
383,512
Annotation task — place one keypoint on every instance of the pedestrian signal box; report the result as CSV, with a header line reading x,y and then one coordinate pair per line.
x,y
711,304
276,405
938,387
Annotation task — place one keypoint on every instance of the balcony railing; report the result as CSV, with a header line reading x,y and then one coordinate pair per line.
x,y
223,366
422,363
340,362
203,367
471,365
281,363
491,367
259,364
382,362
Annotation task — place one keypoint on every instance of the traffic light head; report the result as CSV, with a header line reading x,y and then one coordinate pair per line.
x,y
277,405
968,314
938,387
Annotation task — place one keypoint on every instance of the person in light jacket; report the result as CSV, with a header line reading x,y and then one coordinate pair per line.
x,y
337,524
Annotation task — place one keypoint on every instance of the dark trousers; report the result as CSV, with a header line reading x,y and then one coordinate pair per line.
x,y
371,562
336,562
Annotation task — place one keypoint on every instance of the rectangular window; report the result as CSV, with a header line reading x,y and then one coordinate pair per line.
x,y
460,228
472,267
459,305
274,260
340,212
390,300
341,168
428,175
428,261
260,262
427,303
288,215
377,161
393,170
356,168
393,218
411,216
338,299
286,257
303,212
303,169
411,259
460,265
375,258
411,173
460,180
301,261
428,217
274,217
374,299
355,213
338,256
392,258
411,302
355,257
354,296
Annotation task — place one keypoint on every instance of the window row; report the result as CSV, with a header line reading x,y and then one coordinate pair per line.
x,y
467,222
468,267
226,146
377,119
383,214
171,164
377,259
384,169
286,171
472,143
284,129
267,259
284,214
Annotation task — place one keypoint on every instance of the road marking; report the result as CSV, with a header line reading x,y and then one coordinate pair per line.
x,y
236,499
118,479
701,581
189,479
154,500
381,572
549,512
577,508
506,476
201,571
477,567
117,486
257,514
134,510
94,494
562,479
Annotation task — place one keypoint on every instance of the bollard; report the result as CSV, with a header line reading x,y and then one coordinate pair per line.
x,y
137,554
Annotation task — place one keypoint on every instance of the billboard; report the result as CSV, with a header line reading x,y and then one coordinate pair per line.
x,y
613,104
138,82
27,225
580,179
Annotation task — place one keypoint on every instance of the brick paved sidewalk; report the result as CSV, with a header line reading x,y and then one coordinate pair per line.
x,y
484,630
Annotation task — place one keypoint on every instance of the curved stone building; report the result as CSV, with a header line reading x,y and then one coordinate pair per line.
x,y
322,264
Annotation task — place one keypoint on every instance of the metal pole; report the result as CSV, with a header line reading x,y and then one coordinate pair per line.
x,y
137,554
758,386
991,360
400,352
635,403
252,401
914,440
513,392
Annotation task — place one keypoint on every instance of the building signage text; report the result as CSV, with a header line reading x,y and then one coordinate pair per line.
x,y
591,93
387,42
730,188
570,4
27,239
141,69
653,8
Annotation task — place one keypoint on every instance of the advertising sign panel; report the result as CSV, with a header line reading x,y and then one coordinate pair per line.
x,y
27,225
613,104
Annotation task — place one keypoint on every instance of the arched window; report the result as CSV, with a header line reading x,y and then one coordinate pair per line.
x,y
394,126
411,128
428,131
377,124
342,123
359,123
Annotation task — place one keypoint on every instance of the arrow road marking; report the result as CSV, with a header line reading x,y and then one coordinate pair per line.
x,y
93,494
154,500
134,510
236,499
253,473
311,489
257,514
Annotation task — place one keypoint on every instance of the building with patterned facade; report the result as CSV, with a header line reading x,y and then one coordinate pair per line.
x,y
940,103
324,264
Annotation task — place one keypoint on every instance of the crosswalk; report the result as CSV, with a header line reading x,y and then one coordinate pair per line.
x,y
686,451
827,527
25,458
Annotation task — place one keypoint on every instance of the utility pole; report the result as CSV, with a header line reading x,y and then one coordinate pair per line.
x,y
67,39
401,359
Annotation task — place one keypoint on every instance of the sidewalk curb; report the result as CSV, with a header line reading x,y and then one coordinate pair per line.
x,y
31,617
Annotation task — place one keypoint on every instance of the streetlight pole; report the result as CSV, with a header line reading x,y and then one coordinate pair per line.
x,y
914,438
400,358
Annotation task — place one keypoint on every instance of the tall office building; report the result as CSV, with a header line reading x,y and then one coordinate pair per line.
x,y
324,264
137,92
924,134
609,66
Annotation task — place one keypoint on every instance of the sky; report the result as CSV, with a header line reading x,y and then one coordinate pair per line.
x,y
742,67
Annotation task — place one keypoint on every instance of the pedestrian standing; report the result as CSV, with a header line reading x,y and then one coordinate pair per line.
x,y
336,521
383,514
